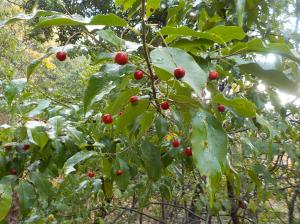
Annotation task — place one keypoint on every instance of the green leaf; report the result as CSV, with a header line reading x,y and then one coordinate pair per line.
x,y
209,142
37,135
34,64
58,122
75,159
228,33
5,200
42,184
21,16
77,136
77,20
131,112
111,37
121,100
272,77
42,105
258,46
98,81
15,87
145,122
27,196
218,34
170,58
240,9
152,160
152,5
122,181
240,106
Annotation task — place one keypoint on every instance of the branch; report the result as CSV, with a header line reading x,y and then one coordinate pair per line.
x,y
146,53
143,214
177,206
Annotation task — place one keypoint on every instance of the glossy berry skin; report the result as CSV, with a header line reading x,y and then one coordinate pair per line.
x,y
107,119
221,108
138,74
61,55
179,73
176,143
90,174
165,105
188,151
213,75
121,58
134,99
119,172
26,147
13,171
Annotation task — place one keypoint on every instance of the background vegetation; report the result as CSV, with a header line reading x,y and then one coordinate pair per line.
x,y
59,161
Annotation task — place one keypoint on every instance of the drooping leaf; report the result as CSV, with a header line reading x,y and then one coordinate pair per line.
x,y
77,20
13,89
42,104
209,142
27,196
240,9
76,136
75,159
170,58
122,181
241,106
37,135
152,160
5,200
218,34
22,16
58,122
42,184
272,77
111,37
34,64
258,46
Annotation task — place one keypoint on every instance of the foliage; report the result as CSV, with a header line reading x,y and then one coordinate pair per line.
x,y
67,164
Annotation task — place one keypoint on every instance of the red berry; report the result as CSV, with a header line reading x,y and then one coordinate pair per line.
x,y
138,74
213,75
13,171
107,119
165,105
119,172
121,58
134,99
8,146
179,72
221,108
26,147
176,143
61,55
188,151
90,173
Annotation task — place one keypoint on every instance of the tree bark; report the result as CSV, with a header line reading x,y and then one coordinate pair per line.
x,y
234,207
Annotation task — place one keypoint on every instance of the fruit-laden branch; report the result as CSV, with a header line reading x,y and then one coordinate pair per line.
x,y
146,53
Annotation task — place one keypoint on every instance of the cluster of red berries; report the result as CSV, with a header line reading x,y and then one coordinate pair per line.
x,y
187,151
91,173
